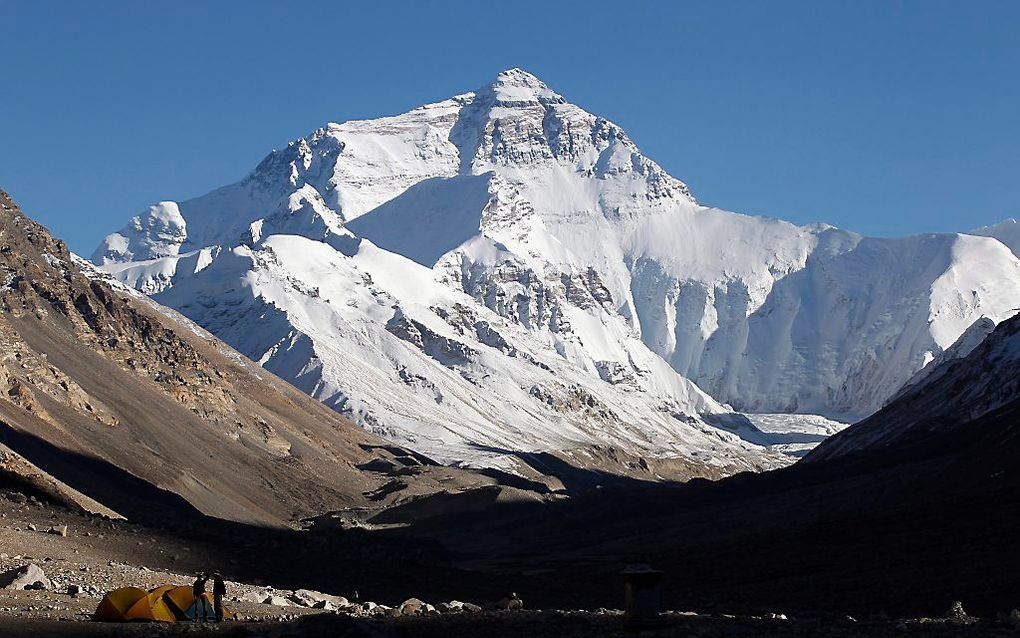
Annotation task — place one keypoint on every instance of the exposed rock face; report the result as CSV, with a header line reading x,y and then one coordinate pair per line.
x,y
46,282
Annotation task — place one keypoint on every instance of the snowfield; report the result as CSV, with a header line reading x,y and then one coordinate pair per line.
x,y
503,271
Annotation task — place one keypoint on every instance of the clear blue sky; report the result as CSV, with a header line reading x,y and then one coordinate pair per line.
x,y
882,117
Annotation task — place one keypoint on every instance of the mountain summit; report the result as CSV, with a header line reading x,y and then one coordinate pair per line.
x,y
517,86
504,272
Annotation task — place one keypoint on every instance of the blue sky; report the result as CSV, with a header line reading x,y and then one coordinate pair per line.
x,y
883,117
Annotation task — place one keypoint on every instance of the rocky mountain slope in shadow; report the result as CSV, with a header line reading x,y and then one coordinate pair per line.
x,y
977,377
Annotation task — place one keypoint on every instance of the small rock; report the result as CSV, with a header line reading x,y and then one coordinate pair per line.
x,y
32,528
324,605
73,590
59,530
471,608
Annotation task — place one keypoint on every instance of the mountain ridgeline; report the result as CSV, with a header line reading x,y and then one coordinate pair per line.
x,y
503,272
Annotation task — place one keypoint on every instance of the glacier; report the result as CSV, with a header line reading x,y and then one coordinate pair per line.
x,y
503,271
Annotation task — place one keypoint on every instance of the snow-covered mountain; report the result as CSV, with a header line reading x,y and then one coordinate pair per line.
x,y
504,271
1007,231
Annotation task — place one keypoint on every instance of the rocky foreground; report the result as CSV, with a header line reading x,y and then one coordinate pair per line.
x,y
55,566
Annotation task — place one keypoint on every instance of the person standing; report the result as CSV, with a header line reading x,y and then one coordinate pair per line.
x,y
219,590
198,591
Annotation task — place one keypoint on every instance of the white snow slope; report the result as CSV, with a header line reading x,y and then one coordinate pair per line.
x,y
1007,231
506,271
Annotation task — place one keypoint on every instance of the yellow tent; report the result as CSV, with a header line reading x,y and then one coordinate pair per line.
x,y
167,603
181,600
132,603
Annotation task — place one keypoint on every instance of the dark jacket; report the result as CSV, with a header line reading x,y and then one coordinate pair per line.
x,y
199,587
219,587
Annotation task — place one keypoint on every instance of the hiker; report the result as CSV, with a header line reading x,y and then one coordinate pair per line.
x,y
198,591
219,590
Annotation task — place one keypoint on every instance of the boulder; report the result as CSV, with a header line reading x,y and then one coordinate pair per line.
x,y
304,598
30,576
324,605
277,601
509,603
411,607
957,616
312,598
471,608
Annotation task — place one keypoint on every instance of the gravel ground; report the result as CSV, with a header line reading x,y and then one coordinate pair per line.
x,y
527,624
97,555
